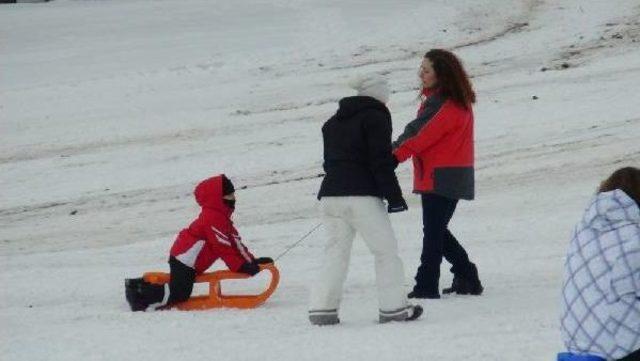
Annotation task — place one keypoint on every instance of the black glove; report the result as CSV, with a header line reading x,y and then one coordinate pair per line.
x,y
397,205
263,260
250,268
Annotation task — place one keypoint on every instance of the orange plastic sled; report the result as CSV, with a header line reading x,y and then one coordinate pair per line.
x,y
215,298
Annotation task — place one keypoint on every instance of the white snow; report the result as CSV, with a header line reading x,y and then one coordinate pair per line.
x,y
111,111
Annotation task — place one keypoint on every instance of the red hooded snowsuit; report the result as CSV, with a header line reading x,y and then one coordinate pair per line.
x,y
212,235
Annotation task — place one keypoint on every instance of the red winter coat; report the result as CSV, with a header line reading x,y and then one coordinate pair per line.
x,y
212,235
440,140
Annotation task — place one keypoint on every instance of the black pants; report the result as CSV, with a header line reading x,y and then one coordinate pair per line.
x,y
181,282
438,242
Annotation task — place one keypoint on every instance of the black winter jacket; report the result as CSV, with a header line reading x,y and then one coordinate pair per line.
x,y
357,151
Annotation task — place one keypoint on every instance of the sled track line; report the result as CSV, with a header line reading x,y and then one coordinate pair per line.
x,y
187,136
412,54
580,136
114,201
409,54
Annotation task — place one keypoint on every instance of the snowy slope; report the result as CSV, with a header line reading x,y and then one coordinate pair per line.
x,y
112,110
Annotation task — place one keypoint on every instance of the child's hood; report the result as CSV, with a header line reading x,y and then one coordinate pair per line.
x,y
208,193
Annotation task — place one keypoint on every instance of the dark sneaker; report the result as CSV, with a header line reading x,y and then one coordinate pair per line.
x,y
424,294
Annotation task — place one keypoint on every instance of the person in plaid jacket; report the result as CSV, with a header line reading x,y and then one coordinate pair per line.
x,y
600,317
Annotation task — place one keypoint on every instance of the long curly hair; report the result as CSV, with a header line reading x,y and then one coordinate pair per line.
x,y
626,179
453,80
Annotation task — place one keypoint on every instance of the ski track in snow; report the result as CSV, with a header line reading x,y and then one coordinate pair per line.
x,y
100,156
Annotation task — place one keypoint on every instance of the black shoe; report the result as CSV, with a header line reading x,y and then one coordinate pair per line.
x,y
424,294
415,311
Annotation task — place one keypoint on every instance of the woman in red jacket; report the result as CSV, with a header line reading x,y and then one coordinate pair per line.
x,y
440,141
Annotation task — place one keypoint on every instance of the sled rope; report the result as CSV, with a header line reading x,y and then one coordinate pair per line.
x,y
300,240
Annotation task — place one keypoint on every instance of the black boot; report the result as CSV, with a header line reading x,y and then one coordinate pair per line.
x,y
140,294
133,294
467,283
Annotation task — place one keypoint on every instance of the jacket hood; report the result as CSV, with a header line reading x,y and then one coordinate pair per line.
x,y
349,106
609,209
208,194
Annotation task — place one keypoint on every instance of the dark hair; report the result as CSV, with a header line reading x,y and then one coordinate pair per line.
x,y
626,179
452,78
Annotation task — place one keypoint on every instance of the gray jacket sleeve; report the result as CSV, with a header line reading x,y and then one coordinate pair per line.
x,y
431,108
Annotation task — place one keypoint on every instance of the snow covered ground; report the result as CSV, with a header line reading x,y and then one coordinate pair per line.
x,y
111,111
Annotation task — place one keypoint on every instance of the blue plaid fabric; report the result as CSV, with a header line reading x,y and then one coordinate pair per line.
x,y
600,310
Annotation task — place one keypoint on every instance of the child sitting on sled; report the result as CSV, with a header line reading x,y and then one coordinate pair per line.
x,y
209,237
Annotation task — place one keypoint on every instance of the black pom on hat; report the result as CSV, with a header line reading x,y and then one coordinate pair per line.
x,y
227,186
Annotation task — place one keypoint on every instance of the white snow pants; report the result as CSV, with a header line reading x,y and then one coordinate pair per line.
x,y
342,218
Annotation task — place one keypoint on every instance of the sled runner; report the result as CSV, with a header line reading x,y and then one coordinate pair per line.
x,y
216,298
